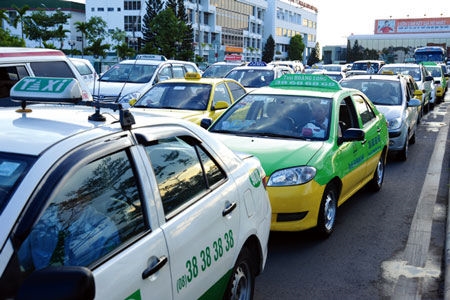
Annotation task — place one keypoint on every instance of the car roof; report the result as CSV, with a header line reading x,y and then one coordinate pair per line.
x,y
45,125
392,77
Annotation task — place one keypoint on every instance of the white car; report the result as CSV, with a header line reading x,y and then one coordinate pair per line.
x,y
257,74
86,70
125,80
101,203
19,62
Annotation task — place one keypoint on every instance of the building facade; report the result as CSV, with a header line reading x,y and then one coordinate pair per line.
x,y
405,35
75,9
223,29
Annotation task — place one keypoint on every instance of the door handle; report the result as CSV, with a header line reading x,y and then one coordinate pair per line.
x,y
153,268
230,207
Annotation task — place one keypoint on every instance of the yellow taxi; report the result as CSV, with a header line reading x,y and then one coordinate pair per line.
x,y
193,98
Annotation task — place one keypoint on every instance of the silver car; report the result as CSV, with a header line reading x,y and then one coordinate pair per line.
x,y
392,98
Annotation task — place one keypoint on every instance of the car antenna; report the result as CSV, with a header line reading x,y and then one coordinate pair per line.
x,y
128,77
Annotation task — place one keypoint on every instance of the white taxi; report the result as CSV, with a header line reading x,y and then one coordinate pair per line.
x,y
96,202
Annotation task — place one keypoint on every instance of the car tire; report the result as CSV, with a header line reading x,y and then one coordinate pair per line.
x,y
376,182
242,281
328,211
403,154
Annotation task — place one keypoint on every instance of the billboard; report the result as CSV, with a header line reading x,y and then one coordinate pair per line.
x,y
423,25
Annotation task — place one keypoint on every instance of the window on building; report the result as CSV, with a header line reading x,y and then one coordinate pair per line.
x,y
110,8
132,5
100,9
132,23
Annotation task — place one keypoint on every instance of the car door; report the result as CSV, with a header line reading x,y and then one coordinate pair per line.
x,y
372,130
349,158
91,211
200,214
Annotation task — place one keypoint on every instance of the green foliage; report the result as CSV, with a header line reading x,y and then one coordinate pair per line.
x,y
269,50
314,57
168,34
296,48
43,27
94,30
8,40
20,16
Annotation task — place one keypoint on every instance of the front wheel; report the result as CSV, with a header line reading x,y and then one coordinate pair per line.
x,y
328,210
242,281
403,154
377,181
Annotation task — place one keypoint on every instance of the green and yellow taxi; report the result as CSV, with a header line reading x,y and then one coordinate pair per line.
x,y
319,143
192,98
440,81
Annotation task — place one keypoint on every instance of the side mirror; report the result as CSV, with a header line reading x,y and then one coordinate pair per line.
x,y
429,78
414,102
205,123
63,282
351,135
220,105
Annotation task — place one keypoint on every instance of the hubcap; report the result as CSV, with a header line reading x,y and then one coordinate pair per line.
x,y
330,211
241,286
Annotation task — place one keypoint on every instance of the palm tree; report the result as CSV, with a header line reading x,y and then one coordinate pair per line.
x,y
20,16
82,27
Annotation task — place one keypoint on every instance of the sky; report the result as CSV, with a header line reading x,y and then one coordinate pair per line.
x,y
337,20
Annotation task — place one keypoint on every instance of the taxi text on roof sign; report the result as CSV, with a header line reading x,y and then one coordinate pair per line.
x,y
46,89
306,81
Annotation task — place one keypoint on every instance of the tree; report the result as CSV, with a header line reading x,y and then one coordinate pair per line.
x,y
269,50
44,27
166,28
154,7
314,57
94,30
296,47
8,40
122,48
20,16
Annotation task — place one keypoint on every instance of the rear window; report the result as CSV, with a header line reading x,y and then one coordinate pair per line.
x,y
12,170
52,69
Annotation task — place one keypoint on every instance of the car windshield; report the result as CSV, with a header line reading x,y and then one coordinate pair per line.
x,y
277,116
435,71
218,70
252,78
413,71
12,170
132,73
191,96
380,92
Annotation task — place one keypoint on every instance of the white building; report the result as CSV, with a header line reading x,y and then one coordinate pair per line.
x,y
222,28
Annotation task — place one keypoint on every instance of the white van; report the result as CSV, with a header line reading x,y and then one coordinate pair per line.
x,y
17,63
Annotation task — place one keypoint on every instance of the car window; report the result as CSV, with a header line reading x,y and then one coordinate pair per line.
x,y
82,67
9,76
93,212
52,69
236,90
221,94
178,71
190,68
183,172
363,109
132,73
166,72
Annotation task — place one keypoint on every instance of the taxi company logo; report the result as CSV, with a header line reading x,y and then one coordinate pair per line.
x,y
42,85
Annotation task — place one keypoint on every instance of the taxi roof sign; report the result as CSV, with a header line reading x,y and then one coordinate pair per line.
x,y
47,90
192,75
257,64
306,81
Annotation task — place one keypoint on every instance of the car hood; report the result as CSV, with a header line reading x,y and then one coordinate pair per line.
x,y
274,153
114,88
390,111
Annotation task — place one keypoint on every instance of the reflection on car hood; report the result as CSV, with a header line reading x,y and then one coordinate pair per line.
x,y
114,88
274,153
389,111
190,115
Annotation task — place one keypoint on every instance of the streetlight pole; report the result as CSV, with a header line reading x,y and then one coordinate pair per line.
x,y
71,44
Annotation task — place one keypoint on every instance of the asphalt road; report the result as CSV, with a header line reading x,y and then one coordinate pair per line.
x,y
388,244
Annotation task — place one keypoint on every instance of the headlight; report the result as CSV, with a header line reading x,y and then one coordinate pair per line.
x,y
292,176
395,123
128,97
